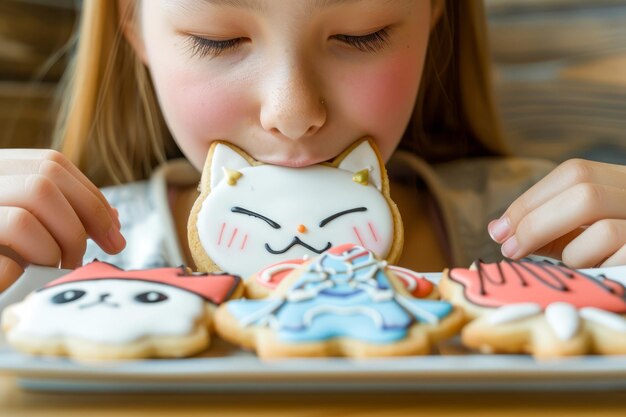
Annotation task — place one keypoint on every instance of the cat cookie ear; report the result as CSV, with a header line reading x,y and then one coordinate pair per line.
x,y
363,158
225,163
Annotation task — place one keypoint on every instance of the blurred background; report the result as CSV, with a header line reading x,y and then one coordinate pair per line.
x,y
561,76
560,73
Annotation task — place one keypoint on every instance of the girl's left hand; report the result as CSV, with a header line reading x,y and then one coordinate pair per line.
x,y
577,213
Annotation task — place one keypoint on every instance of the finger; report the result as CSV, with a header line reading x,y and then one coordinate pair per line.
x,y
10,271
23,233
618,258
565,176
577,206
597,243
100,220
59,158
41,197
555,248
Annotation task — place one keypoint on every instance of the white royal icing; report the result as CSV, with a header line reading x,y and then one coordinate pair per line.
x,y
268,273
563,319
363,157
604,318
225,158
615,273
313,312
422,313
291,197
406,275
513,312
118,318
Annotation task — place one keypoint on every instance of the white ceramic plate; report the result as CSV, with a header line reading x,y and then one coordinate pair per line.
x,y
225,368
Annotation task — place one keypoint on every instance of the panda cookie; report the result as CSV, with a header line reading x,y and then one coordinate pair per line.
x,y
343,302
250,215
101,312
540,308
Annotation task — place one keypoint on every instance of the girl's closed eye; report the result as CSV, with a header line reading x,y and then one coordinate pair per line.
x,y
370,42
200,46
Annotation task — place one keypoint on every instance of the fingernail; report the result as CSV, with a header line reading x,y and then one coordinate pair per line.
x,y
499,229
115,239
510,247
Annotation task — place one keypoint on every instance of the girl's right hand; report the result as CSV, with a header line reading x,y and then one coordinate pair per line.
x,y
48,209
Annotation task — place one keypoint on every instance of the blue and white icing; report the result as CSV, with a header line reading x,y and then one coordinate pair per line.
x,y
342,293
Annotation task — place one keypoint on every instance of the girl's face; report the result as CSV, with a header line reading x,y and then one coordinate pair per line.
x,y
291,82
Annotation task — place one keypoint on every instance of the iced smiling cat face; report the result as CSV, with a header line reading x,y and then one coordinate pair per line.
x,y
256,215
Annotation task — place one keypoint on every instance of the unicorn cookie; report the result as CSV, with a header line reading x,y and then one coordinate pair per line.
x,y
342,302
99,311
540,308
250,215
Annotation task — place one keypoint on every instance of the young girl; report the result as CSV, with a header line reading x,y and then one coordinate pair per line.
x,y
293,83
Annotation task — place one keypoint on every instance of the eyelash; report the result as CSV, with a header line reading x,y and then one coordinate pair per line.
x,y
372,42
202,47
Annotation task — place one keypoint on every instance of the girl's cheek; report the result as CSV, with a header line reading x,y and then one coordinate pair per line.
x,y
198,114
384,107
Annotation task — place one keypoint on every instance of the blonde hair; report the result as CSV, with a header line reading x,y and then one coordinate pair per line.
x,y
455,114
110,124
109,121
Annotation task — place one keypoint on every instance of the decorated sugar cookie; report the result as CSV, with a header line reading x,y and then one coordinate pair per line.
x,y
250,215
342,302
101,312
262,283
540,308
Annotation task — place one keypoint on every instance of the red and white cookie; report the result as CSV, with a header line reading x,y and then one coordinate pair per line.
x,y
99,311
540,308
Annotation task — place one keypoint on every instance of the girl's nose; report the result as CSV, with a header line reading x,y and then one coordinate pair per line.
x,y
293,107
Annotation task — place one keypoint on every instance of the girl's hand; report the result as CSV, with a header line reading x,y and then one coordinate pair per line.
x,y
48,208
577,213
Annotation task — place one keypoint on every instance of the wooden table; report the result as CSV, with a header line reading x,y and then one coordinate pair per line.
x,y
16,402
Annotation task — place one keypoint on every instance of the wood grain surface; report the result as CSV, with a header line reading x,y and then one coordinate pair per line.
x,y
18,403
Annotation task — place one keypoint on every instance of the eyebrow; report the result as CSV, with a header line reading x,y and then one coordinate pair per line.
x,y
244,4
256,5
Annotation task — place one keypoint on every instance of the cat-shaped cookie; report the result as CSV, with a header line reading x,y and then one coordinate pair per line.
x,y
99,311
250,215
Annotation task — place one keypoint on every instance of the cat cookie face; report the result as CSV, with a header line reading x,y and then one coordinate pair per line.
x,y
250,215
102,311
